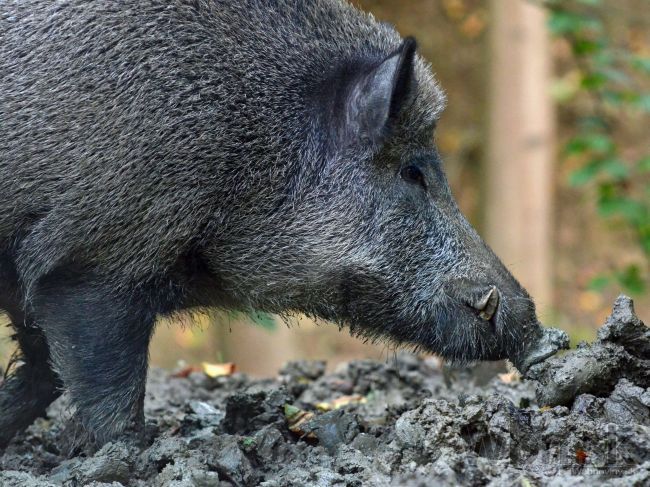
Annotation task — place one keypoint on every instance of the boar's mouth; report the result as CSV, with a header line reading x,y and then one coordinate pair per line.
x,y
452,330
540,345
469,321
509,316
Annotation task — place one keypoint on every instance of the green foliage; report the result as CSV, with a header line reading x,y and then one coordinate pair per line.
x,y
614,85
264,320
259,318
248,443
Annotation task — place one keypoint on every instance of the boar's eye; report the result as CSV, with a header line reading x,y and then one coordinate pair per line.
x,y
413,175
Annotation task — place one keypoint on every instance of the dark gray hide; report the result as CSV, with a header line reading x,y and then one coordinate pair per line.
x,y
277,155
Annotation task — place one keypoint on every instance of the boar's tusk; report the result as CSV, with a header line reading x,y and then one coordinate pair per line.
x,y
487,305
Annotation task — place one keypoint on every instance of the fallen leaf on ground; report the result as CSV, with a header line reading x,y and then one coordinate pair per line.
x,y
296,418
341,401
581,456
186,371
217,370
510,377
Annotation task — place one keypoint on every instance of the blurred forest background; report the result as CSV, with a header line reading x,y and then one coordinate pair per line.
x,y
546,141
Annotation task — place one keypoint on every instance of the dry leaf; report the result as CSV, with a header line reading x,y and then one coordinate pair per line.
x,y
581,456
341,401
217,370
510,377
296,418
186,371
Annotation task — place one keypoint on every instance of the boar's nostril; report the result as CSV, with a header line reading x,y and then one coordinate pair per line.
x,y
488,303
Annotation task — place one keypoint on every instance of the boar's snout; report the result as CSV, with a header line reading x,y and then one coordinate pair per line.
x,y
500,311
507,314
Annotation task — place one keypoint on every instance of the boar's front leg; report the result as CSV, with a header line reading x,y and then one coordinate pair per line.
x,y
98,339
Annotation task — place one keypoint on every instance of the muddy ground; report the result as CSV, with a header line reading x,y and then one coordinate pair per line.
x,y
406,421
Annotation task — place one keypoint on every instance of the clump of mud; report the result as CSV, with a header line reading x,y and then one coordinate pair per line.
x,y
403,422
622,350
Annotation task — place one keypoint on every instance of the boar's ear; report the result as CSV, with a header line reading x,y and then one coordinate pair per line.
x,y
376,99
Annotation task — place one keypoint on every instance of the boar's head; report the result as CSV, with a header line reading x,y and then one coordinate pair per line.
x,y
368,234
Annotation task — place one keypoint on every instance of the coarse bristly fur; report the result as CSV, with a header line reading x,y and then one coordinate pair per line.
x,y
276,155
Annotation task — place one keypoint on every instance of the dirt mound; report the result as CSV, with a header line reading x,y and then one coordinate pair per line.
x,y
622,350
404,422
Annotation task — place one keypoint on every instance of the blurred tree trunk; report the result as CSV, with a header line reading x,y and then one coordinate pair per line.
x,y
521,145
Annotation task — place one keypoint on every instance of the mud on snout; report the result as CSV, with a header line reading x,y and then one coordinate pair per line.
x,y
498,321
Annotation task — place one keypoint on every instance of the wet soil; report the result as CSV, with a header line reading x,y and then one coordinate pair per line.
x,y
622,350
407,421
